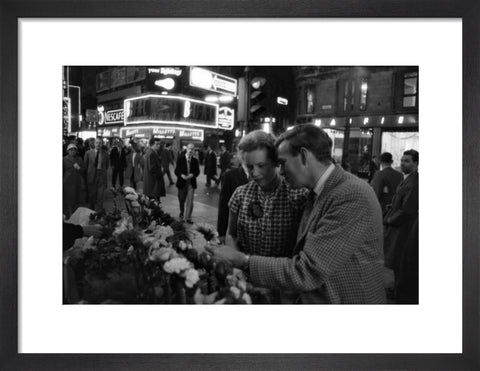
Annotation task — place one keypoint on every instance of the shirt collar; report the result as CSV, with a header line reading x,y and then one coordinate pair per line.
x,y
323,179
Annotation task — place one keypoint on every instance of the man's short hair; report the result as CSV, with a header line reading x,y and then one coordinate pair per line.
x,y
413,153
386,158
259,139
310,137
153,140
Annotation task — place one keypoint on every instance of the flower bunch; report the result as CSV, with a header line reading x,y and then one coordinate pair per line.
x,y
149,257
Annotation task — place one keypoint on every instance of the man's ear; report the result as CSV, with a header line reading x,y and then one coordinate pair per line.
x,y
303,155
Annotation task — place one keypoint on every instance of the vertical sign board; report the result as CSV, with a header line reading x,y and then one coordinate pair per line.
x,y
226,118
66,114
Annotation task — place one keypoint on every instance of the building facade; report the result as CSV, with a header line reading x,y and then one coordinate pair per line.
x,y
177,103
365,110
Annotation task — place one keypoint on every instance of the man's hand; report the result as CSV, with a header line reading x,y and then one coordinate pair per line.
x,y
227,254
92,230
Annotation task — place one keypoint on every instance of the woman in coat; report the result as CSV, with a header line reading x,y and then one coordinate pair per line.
x,y
73,182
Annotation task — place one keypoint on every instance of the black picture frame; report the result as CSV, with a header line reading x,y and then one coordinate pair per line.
x,y
11,10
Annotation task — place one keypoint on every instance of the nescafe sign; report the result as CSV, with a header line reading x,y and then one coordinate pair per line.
x,y
114,117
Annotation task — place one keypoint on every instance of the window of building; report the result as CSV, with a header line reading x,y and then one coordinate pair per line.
x,y
363,94
310,98
410,89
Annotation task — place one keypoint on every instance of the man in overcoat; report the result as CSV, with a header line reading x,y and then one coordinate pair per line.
x,y
386,181
402,215
153,183
210,166
135,164
187,171
96,162
338,255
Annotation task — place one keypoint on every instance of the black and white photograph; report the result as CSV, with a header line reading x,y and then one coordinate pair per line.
x,y
240,184
256,155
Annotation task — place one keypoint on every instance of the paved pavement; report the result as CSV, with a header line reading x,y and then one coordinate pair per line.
x,y
205,208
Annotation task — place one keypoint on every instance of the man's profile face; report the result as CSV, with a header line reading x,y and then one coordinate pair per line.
x,y
190,150
290,166
407,164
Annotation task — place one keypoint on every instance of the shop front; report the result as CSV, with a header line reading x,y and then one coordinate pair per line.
x,y
369,136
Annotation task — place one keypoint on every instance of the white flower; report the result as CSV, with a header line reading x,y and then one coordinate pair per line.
x,y
182,245
163,232
176,265
131,197
129,190
191,277
161,255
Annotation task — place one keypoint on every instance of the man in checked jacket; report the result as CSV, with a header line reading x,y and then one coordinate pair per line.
x,y
338,255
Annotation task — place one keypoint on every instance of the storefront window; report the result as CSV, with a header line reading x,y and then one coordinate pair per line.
x,y
410,89
310,98
398,142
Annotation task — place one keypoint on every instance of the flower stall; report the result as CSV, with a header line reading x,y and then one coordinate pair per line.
x,y
147,257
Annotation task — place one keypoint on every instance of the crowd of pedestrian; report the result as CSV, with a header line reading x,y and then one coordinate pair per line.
x,y
146,168
293,219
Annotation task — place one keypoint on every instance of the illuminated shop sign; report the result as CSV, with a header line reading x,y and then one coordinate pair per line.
x,y
173,71
114,117
108,132
225,118
209,80
67,115
168,109
162,132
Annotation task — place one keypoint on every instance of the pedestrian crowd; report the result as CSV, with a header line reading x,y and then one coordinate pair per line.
x,y
289,216
147,169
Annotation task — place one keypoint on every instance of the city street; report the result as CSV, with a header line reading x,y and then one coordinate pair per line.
x,y
205,200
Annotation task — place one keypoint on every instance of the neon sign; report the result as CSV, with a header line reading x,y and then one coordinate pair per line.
x,y
209,80
114,116
162,132
225,118
168,109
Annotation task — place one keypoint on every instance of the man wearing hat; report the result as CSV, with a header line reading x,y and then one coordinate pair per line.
x,y
386,181
97,162
72,180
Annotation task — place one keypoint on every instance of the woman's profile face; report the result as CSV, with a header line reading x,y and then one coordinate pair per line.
x,y
259,167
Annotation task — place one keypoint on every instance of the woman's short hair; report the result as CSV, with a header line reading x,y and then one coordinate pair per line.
x,y
259,139
310,137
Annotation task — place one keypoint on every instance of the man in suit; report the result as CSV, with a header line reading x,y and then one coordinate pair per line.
x,y
134,170
153,183
96,162
401,216
338,255
224,160
386,181
210,166
118,162
187,171
167,160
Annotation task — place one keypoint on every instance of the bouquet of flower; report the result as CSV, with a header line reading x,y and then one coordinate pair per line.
x,y
146,256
